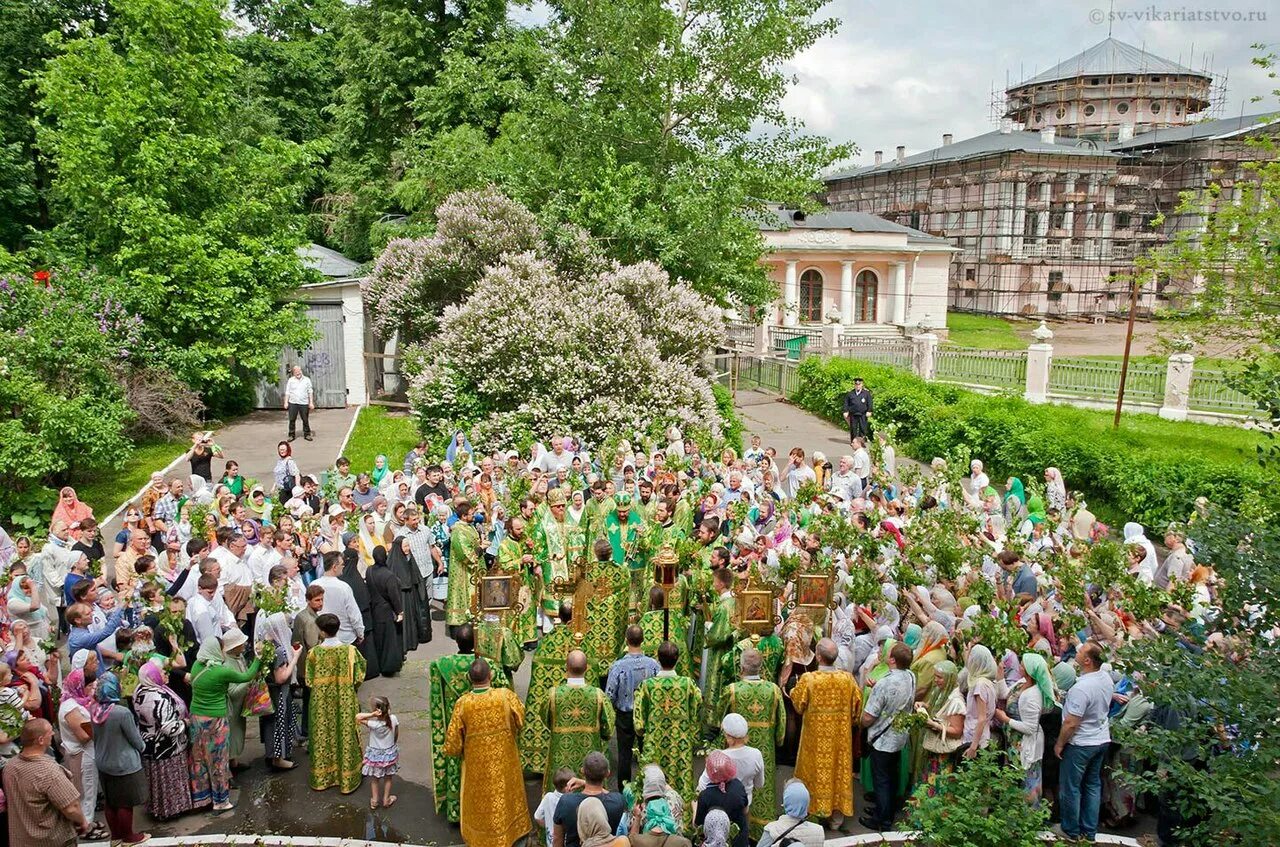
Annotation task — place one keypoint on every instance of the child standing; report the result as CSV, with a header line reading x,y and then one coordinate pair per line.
x,y
382,753
547,808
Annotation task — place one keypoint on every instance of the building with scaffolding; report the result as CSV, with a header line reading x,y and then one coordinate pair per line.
x,y
1083,176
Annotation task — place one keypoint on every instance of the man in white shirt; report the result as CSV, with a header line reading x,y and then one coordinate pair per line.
x,y
557,457
208,615
235,568
1083,743
845,484
796,473
339,601
268,554
861,461
299,399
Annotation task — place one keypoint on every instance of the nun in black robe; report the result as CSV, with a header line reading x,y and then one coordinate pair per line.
x,y
385,599
351,576
414,630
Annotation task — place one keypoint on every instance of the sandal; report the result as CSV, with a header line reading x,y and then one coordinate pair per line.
x,y
391,801
373,804
98,833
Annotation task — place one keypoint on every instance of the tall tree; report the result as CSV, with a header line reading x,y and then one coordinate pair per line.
x,y
152,186
658,126
388,50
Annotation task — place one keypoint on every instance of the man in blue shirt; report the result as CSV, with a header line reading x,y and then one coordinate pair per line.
x,y
625,676
83,637
1082,745
892,695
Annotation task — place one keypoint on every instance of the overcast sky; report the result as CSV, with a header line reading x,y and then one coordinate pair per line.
x,y
906,72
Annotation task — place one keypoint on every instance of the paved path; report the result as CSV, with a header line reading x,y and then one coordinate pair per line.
x,y
782,426
251,441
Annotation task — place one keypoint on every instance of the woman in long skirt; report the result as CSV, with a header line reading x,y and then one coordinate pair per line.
x,y
162,720
277,729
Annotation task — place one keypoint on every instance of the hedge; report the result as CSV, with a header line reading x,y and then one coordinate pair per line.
x,y
1154,481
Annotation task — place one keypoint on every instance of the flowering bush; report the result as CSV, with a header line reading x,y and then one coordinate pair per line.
x,y
554,339
414,277
61,403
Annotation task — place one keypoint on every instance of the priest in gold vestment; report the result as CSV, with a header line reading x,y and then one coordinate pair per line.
x,y
829,703
483,732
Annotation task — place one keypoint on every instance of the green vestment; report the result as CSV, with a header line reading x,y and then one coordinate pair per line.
x,y
652,622
334,675
760,702
464,561
719,643
510,560
667,714
580,718
547,672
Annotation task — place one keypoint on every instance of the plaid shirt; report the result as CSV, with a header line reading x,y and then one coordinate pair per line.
x,y
166,509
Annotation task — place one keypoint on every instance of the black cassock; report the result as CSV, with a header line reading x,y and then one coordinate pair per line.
x,y
385,604
414,630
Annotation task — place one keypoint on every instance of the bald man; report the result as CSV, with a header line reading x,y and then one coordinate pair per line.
x,y
580,718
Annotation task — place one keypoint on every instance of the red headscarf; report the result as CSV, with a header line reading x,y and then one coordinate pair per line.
x,y
720,768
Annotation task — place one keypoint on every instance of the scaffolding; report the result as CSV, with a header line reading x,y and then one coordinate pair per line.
x,y
1054,229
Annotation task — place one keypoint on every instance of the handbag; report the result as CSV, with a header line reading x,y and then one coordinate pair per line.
x,y
257,701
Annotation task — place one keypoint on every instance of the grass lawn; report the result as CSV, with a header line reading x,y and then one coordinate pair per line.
x,y
378,430
111,488
1227,443
982,331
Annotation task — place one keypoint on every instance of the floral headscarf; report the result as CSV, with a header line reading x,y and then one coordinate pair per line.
x,y
108,695
938,694
150,677
720,769
73,686
715,829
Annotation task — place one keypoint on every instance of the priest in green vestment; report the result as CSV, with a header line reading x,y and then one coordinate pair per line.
x,y
606,609
464,563
515,556
579,717
658,626
770,649
546,673
759,701
449,681
667,716
624,528
496,643
559,549
594,511
719,642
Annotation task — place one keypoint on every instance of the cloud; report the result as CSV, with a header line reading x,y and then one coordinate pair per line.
x,y
906,73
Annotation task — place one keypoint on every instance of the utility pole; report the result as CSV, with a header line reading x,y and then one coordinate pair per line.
x,y
1128,343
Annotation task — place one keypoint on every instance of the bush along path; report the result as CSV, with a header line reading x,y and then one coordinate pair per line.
x,y
1150,471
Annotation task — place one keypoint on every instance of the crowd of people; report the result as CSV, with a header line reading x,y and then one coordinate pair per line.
x,y
747,609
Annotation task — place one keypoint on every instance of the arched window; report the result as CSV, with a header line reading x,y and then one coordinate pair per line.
x,y
864,297
811,296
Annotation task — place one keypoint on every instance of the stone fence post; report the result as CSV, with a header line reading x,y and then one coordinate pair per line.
x,y
1177,386
831,338
761,340
924,348
1039,359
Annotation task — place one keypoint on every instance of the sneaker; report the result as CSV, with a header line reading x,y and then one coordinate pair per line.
x,y
1061,835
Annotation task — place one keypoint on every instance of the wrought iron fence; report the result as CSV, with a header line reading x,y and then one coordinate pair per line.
x,y
1100,380
776,375
740,334
1003,369
1211,393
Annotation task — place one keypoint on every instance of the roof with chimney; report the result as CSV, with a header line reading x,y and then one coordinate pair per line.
x,y
982,145
1109,57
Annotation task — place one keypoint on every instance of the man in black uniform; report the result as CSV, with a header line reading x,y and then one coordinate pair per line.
x,y
857,410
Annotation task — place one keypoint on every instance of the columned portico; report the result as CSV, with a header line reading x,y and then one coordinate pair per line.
x,y
898,293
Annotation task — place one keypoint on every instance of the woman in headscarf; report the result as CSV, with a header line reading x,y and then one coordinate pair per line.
x,y
70,509
798,659
201,492
1055,489
119,748
162,721
276,729
1063,675
793,823
715,829
24,604
724,792
459,443
213,676
655,787
1014,504
980,701
593,826
943,733
415,628
371,536
354,579
1036,515
577,507
1148,564
386,607
932,650
380,471
1034,697
76,717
